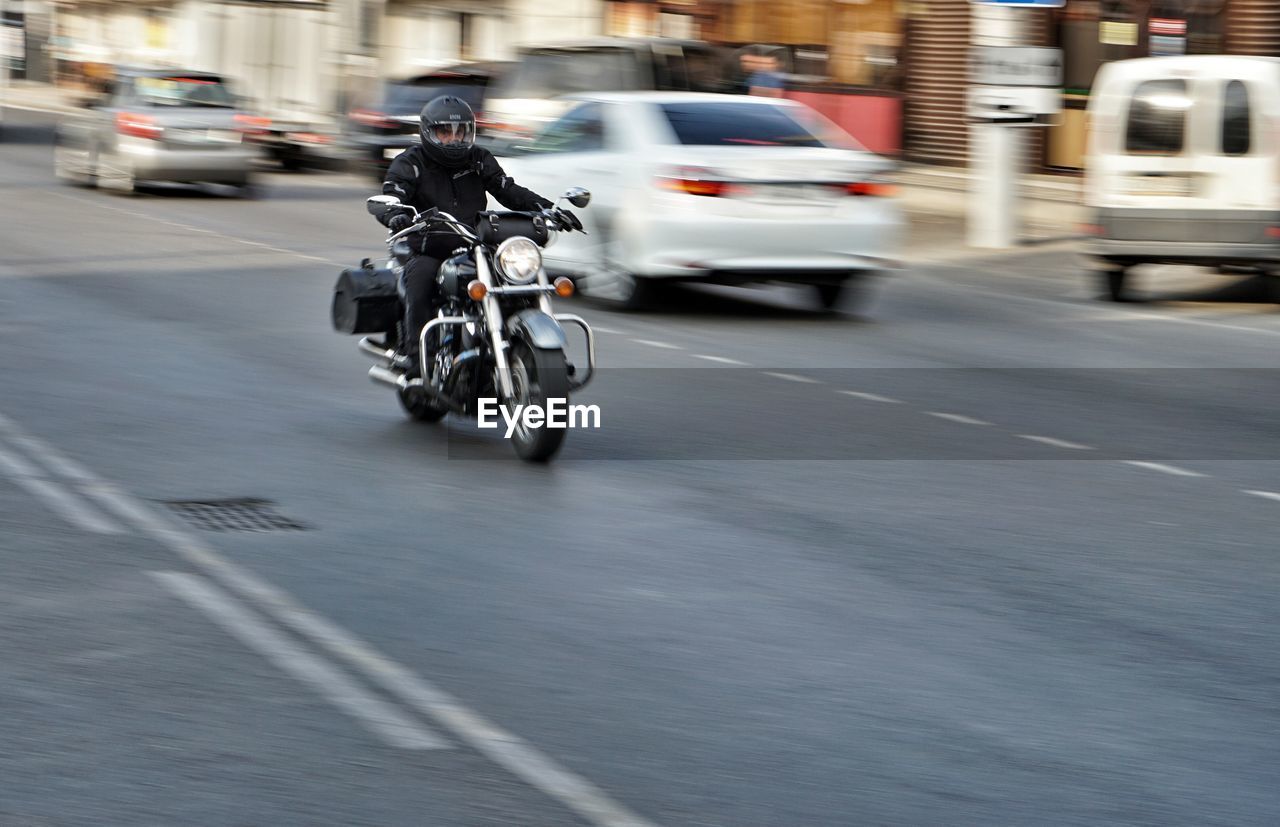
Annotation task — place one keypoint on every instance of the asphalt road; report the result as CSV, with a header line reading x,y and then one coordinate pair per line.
x,y
987,551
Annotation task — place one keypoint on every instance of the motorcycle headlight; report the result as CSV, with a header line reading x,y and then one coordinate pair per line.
x,y
518,260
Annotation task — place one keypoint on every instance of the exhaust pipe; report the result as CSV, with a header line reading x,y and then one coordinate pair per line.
x,y
377,351
398,381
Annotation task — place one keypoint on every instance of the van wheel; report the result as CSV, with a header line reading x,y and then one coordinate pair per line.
x,y
1113,283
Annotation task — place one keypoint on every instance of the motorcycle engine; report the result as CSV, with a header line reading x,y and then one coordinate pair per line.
x,y
455,274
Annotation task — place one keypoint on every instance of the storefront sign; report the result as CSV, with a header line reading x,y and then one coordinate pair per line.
x,y
1113,33
1034,4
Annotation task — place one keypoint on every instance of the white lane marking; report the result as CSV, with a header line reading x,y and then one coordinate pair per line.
x,y
1191,320
653,343
1085,313
1266,495
503,748
603,329
963,420
52,460
376,715
1057,443
873,397
792,377
724,360
16,466
215,233
1172,470
68,505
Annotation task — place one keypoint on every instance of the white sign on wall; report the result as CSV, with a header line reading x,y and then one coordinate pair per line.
x,y
1015,66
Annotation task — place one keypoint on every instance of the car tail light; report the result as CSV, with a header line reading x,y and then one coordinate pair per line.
x,y
252,125
696,181
139,126
1273,232
311,138
875,188
371,117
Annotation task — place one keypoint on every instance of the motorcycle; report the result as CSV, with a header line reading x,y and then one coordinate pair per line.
x,y
495,337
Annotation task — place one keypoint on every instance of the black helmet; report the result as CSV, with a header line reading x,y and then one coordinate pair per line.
x,y
448,130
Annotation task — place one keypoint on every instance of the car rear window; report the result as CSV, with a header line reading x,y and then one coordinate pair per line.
x,y
1157,118
1235,119
551,73
182,90
409,98
739,123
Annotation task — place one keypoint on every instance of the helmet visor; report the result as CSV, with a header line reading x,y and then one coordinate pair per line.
x,y
449,133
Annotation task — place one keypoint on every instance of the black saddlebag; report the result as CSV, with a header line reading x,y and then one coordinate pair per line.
x,y
365,301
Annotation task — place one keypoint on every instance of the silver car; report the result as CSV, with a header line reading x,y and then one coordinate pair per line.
x,y
159,125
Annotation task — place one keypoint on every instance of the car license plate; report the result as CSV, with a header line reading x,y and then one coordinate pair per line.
x,y
392,152
794,193
224,136
1173,185
189,136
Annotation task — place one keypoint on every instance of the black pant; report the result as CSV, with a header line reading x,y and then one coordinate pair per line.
x,y
420,287
419,298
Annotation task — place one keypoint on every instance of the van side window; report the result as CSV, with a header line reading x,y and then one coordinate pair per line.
x,y
1157,118
1235,119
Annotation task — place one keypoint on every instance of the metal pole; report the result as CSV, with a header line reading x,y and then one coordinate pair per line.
x,y
995,151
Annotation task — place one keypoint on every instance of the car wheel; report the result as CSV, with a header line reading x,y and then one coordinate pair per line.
x,y
248,190
64,168
1112,281
614,284
118,178
829,294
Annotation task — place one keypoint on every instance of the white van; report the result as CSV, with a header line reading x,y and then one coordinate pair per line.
x,y
1183,164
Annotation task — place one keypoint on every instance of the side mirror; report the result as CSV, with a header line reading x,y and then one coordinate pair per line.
x,y
577,196
380,205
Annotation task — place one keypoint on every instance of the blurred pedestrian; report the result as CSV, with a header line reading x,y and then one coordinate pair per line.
x,y
765,81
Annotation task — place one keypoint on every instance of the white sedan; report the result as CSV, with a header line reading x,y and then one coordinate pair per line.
x,y
723,189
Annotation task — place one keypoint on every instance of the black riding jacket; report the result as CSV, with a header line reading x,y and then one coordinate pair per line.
x,y
417,180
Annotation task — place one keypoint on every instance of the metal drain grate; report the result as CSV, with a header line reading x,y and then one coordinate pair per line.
x,y
233,515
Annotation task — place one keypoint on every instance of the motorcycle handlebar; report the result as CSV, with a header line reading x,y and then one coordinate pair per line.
x,y
425,219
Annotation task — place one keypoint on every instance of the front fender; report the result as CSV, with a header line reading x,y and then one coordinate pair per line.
x,y
538,329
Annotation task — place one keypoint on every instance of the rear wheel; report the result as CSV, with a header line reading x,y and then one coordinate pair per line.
x,y
538,376
1113,281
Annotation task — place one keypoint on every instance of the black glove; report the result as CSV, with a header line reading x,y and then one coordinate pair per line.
x,y
399,222
569,220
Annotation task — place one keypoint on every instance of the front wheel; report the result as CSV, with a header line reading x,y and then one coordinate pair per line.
x,y
538,376
419,407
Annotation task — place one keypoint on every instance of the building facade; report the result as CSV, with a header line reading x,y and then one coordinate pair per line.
x,y
307,56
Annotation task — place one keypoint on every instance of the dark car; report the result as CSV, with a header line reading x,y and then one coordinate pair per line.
x,y
383,128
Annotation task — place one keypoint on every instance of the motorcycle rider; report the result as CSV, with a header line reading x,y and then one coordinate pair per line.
x,y
448,172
